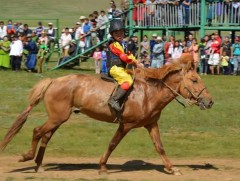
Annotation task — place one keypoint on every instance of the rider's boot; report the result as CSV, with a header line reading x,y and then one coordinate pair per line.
x,y
114,100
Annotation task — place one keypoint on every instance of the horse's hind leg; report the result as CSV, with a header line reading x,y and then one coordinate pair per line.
x,y
120,133
45,139
38,133
155,136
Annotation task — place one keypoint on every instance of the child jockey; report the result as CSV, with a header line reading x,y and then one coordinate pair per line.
x,y
117,59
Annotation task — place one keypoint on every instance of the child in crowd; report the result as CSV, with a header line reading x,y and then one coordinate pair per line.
x,y
41,56
145,59
104,60
97,55
177,50
225,63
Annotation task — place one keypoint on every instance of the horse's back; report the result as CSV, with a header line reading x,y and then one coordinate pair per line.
x,y
87,92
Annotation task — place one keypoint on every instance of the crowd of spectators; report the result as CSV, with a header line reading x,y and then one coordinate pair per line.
x,y
185,12
20,43
212,54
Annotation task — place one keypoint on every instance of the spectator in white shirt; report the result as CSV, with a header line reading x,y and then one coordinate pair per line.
x,y
3,30
101,23
16,50
66,38
79,28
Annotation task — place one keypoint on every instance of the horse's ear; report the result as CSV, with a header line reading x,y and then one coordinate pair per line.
x,y
187,61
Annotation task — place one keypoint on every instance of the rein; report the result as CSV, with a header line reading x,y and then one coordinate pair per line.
x,y
175,92
187,100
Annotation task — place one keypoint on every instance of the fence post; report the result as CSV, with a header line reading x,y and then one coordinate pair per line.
x,y
203,18
130,17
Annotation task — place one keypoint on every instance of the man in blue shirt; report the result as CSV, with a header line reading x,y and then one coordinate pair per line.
x,y
236,55
86,31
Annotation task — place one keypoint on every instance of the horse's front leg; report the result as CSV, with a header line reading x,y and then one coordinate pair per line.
x,y
120,133
155,136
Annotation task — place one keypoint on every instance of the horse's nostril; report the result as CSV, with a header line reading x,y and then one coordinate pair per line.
x,y
210,104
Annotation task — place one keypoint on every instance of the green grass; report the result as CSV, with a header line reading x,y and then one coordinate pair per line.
x,y
186,132
68,12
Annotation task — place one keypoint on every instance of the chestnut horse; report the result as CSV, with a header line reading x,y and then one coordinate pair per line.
x,y
153,89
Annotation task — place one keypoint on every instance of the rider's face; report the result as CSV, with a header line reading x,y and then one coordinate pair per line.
x,y
118,35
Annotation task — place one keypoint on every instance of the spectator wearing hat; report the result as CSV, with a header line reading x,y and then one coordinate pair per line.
x,y
51,33
16,50
101,24
3,30
42,38
78,30
26,30
39,29
66,39
32,49
82,19
79,27
236,55
158,59
4,53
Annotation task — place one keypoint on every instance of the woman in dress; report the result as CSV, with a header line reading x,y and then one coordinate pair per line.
x,y
193,49
4,53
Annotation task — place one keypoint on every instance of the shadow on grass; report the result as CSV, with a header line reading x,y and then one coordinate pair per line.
x,y
133,165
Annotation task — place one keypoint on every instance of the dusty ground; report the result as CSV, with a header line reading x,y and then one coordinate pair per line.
x,y
120,169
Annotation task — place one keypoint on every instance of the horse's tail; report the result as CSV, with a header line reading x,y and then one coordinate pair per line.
x,y
35,96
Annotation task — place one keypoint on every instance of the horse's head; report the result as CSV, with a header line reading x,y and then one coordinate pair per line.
x,y
181,78
192,87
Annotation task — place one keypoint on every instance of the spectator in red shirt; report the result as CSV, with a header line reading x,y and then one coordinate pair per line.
x,y
214,59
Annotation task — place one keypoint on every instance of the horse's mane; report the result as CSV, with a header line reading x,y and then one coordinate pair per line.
x,y
185,63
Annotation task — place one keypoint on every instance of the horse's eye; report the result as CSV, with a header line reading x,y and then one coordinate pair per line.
x,y
194,80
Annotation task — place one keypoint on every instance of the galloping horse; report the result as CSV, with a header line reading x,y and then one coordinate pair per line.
x,y
153,89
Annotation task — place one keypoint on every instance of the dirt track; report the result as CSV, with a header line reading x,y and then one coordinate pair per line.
x,y
120,169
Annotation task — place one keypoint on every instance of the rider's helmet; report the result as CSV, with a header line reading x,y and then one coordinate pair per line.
x,y
116,25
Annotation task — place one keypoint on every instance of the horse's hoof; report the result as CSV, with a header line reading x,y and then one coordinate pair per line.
x,y
103,172
25,158
174,171
39,169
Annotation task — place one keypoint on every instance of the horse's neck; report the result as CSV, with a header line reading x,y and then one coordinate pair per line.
x,y
160,93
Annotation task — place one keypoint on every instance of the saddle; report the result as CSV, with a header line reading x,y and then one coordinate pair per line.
x,y
108,78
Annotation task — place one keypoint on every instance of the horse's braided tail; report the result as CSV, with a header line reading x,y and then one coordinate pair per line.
x,y
35,96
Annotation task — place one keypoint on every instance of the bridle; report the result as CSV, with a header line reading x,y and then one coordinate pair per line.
x,y
190,93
